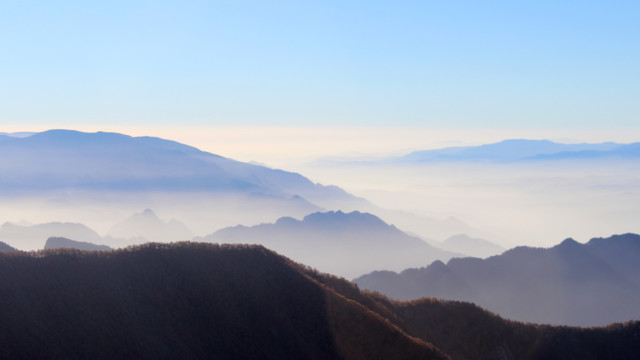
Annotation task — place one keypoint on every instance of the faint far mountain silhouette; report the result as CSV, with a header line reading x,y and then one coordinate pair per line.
x,y
346,244
33,237
64,243
21,134
520,149
469,246
147,226
569,284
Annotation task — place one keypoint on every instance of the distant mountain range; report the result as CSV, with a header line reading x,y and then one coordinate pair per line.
x,y
202,301
66,159
139,228
571,284
64,243
70,168
523,150
345,244
33,237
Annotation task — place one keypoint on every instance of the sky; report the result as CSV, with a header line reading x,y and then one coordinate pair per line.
x,y
172,66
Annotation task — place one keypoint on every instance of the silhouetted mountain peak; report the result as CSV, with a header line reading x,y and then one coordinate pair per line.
x,y
286,221
569,243
437,265
331,241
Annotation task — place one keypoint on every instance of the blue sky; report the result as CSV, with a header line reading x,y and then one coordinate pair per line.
x,y
490,64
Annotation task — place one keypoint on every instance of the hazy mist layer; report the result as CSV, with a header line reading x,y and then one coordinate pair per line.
x,y
532,203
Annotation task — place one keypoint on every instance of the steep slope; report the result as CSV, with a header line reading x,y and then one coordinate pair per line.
x,y
568,284
464,331
345,244
64,243
33,237
188,301
65,159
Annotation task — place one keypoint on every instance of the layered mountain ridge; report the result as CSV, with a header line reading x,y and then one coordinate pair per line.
x,y
110,161
345,244
570,284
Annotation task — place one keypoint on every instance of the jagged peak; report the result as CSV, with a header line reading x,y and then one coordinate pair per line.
x,y
569,242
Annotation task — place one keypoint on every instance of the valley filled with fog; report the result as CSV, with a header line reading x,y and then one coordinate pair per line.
x,y
533,203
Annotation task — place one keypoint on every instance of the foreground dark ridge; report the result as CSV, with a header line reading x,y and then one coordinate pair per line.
x,y
198,301
184,301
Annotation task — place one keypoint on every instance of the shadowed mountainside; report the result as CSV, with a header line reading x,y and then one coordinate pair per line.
x,y
570,284
195,300
188,301
64,243
345,244
465,331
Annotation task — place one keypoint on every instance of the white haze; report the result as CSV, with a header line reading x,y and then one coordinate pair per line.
x,y
535,203
202,213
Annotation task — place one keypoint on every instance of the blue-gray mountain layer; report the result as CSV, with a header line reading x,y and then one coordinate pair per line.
x,y
65,159
520,149
33,237
345,244
596,283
